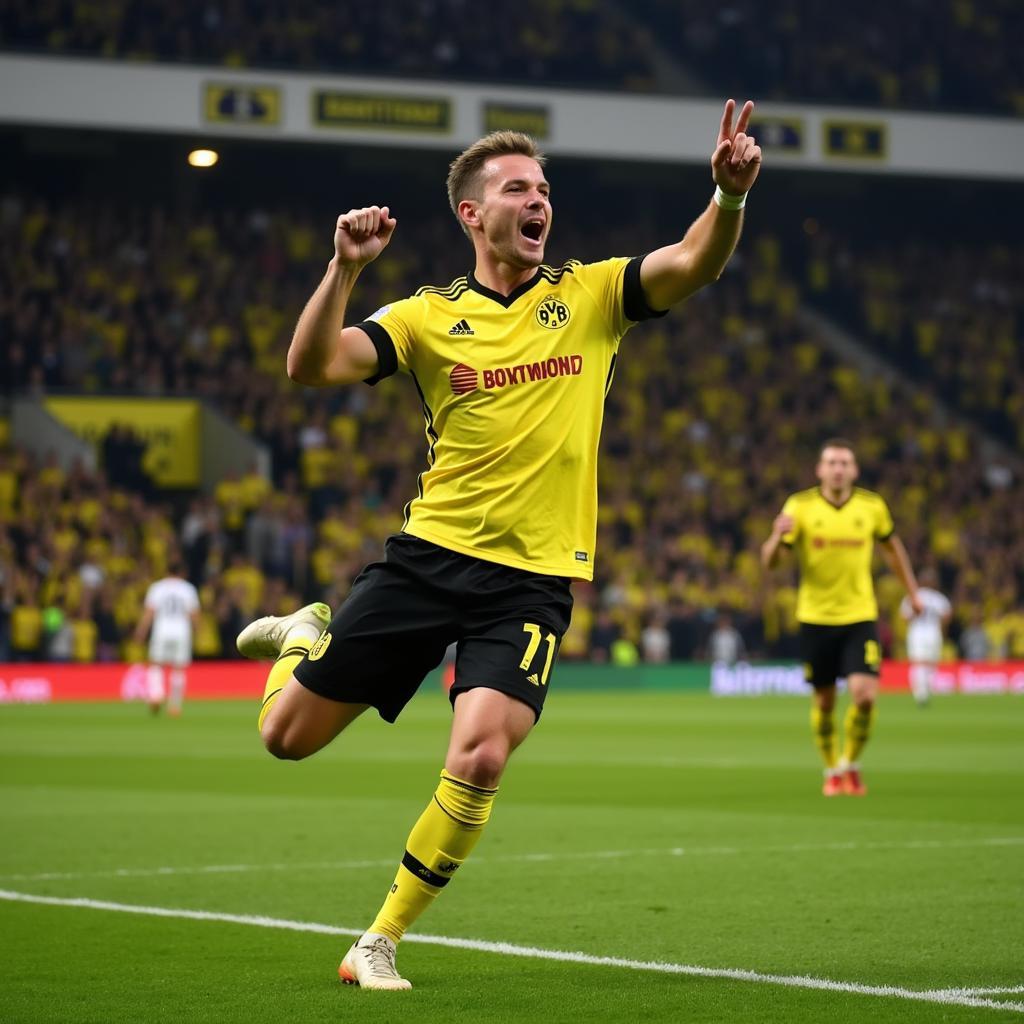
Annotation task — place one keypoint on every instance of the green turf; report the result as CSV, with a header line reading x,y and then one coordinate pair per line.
x,y
648,826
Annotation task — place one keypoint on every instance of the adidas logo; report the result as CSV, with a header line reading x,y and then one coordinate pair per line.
x,y
462,327
533,678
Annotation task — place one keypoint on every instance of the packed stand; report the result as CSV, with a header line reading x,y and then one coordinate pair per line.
x,y
951,315
958,55
715,416
568,42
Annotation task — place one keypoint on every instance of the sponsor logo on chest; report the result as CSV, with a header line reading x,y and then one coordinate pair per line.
x,y
838,542
466,378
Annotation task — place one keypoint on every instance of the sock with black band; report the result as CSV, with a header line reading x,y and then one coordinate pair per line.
x,y
438,845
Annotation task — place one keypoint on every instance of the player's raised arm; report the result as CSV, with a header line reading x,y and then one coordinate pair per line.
x,y
322,350
673,273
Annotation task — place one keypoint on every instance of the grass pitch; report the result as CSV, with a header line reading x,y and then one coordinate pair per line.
x,y
647,827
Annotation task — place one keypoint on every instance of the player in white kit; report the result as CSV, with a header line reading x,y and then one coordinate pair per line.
x,y
171,614
925,632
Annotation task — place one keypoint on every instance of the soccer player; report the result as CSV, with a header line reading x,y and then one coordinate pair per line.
x,y
170,617
925,632
833,528
511,364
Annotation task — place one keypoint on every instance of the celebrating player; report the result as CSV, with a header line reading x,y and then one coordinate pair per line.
x,y
833,528
925,630
511,364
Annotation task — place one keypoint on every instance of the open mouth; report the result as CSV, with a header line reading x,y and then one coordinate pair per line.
x,y
533,230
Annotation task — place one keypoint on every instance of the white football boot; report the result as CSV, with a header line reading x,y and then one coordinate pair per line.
x,y
370,963
263,638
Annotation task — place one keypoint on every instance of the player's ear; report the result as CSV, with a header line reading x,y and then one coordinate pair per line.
x,y
469,213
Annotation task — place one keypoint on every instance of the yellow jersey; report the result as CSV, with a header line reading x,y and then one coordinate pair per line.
x,y
513,390
834,545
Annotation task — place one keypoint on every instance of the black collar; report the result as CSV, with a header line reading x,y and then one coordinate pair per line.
x,y
832,504
503,300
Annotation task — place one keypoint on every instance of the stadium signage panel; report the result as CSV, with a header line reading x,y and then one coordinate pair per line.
x,y
241,103
147,97
535,121
779,134
43,683
862,140
169,427
334,109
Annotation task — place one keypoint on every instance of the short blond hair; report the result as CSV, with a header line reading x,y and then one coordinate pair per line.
x,y
464,174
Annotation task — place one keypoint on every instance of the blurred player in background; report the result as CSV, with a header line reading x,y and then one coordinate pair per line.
x,y
926,630
511,365
833,528
169,618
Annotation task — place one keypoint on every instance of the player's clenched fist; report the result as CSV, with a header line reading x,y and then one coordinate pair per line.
x,y
361,235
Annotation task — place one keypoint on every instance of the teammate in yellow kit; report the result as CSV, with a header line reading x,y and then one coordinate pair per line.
x,y
833,529
511,364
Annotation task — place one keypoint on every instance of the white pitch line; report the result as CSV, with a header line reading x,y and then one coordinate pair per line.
x,y
945,997
1009,990
540,858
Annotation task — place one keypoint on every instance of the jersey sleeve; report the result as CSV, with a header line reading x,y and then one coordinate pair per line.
x,y
193,598
791,508
615,286
884,526
150,601
392,329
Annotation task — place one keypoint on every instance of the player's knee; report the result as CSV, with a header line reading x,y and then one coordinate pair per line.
x,y
280,741
482,763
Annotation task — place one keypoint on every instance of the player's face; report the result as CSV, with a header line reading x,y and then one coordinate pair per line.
x,y
515,212
837,469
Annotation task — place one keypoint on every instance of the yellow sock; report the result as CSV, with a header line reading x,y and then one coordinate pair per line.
x,y
438,844
858,729
294,650
824,729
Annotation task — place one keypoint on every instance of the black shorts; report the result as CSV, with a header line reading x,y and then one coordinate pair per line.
x,y
835,652
404,612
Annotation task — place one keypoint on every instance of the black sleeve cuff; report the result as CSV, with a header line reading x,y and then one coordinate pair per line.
x,y
634,302
889,535
387,358
787,543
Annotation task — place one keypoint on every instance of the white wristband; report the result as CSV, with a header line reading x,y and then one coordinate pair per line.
x,y
728,202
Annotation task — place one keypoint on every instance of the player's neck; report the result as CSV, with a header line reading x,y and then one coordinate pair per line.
x,y
498,276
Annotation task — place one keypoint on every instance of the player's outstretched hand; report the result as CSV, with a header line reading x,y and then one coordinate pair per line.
x,y
737,158
361,235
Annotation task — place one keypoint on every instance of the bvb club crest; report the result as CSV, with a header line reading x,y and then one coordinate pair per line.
x,y
552,313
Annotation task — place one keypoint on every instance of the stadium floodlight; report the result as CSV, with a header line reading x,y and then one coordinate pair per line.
x,y
203,157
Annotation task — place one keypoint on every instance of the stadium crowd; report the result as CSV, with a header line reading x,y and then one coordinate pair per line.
x,y
934,56
951,316
569,42
715,416
946,56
